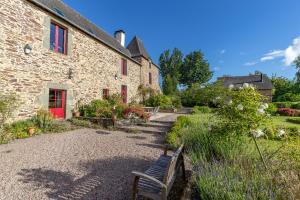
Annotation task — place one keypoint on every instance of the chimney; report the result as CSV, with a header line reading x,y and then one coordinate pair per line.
x,y
120,36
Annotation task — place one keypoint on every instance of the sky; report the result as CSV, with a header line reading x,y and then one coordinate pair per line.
x,y
237,37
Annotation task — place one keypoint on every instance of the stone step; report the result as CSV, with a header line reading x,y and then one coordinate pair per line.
x,y
155,124
170,123
142,129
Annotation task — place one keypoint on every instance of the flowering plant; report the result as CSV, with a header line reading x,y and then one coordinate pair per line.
x,y
288,112
243,111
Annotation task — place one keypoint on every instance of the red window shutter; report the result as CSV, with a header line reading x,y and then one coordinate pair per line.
x,y
124,67
124,93
150,78
105,93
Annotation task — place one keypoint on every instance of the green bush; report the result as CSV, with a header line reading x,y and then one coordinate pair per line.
x,y
95,107
176,101
201,109
283,104
163,101
289,97
296,105
82,123
294,120
43,119
173,137
19,129
59,127
272,109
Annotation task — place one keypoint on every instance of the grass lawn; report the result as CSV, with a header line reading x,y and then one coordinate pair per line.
x,y
282,121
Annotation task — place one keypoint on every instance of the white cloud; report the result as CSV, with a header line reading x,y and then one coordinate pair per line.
x,y
223,51
250,63
272,55
289,54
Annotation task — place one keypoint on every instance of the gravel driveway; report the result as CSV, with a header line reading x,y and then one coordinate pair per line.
x,y
82,164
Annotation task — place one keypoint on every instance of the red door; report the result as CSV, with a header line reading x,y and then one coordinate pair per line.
x,y
57,103
124,93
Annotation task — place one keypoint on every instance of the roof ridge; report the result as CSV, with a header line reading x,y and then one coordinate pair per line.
x,y
87,19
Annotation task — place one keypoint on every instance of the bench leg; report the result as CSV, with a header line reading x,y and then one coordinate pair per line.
x,y
134,190
183,170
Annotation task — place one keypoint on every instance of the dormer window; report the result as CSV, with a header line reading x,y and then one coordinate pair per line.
x,y
124,67
58,38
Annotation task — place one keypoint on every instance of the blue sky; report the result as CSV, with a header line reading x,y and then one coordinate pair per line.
x,y
236,36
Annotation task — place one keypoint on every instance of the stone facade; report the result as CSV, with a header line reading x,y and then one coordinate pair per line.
x,y
92,65
149,67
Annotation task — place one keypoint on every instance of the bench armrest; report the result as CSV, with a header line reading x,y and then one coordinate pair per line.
x,y
142,175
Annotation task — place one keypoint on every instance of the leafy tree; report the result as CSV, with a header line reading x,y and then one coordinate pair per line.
x,y
195,69
169,85
282,86
169,69
297,63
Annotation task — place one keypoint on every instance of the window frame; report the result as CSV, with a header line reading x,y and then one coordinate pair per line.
x,y
124,67
150,78
124,91
105,93
57,26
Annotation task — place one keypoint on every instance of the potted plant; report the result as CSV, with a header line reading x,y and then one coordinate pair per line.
x,y
31,131
76,110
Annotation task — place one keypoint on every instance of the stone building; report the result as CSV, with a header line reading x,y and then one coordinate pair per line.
x,y
259,80
52,57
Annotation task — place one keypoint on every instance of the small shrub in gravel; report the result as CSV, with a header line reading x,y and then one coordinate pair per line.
x,y
82,123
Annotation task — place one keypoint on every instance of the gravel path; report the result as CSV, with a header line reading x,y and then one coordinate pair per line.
x,y
82,164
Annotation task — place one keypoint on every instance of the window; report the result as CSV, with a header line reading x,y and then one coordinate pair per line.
x,y
105,93
150,78
124,93
150,65
58,38
124,67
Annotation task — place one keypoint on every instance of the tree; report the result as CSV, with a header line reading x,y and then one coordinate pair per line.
x,y
169,85
282,86
195,69
297,63
169,69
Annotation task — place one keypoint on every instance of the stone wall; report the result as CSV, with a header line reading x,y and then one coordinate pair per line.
x,y
149,68
93,64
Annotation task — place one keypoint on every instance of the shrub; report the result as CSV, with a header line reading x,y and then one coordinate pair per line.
x,y
8,103
173,137
296,105
82,123
19,129
293,120
283,104
201,109
288,112
272,109
289,97
59,127
163,101
243,110
135,112
176,102
95,107
43,119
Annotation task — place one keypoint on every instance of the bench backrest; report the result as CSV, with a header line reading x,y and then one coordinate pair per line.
x,y
172,167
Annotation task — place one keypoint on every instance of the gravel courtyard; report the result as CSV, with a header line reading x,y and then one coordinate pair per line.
x,y
82,164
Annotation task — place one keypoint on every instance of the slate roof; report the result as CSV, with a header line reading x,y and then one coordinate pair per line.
x,y
260,81
137,48
61,10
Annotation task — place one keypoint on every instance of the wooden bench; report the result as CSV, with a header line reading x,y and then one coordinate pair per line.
x,y
157,181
